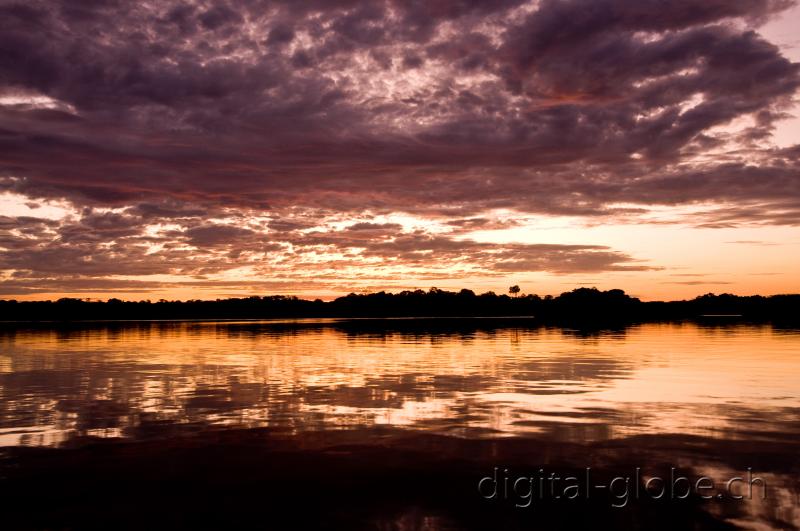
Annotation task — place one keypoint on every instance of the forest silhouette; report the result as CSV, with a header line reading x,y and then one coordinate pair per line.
x,y
584,304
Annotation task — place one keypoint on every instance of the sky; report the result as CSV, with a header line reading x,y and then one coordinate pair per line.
x,y
253,147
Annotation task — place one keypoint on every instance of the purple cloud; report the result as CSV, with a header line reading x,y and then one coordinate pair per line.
x,y
205,117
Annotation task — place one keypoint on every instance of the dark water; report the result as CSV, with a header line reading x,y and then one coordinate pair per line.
x,y
426,404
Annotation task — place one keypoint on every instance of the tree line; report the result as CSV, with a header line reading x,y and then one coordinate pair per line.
x,y
579,304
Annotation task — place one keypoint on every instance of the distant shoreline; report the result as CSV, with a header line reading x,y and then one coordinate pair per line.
x,y
292,319
583,304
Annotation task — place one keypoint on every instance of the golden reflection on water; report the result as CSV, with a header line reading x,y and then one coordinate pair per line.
x,y
469,380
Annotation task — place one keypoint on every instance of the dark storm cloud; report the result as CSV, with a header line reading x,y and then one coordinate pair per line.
x,y
216,235
165,104
175,111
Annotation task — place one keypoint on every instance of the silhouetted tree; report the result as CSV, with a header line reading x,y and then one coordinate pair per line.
x,y
586,304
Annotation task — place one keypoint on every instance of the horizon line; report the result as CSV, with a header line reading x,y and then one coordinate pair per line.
x,y
521,295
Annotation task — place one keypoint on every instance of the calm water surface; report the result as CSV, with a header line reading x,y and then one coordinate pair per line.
x,y
471,379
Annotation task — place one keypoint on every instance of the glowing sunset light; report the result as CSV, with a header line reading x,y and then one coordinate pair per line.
x,y
203,150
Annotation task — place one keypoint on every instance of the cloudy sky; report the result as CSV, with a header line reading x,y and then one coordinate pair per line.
x,y
208,149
